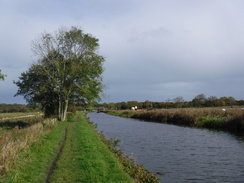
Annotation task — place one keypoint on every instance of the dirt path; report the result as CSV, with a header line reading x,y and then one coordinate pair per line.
x,y
55,160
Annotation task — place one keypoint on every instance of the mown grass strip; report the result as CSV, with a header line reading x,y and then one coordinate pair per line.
x,y
33,163
85,158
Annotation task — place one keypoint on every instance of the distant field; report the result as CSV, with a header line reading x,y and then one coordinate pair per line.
x,y
20,120
19,114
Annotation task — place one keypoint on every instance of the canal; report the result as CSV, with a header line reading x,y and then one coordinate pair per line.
x,y
180,154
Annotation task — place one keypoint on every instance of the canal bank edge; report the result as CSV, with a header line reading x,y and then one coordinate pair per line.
x,y
136,171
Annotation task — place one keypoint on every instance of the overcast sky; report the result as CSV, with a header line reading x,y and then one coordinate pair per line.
x,y
155,50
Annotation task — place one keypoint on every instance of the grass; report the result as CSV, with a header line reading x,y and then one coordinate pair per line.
x,y
136,171
85,158
27,155
33,161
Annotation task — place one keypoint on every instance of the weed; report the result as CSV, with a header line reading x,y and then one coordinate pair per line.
x,y
17,140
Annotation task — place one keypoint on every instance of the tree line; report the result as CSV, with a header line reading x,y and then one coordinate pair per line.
x,y
199,101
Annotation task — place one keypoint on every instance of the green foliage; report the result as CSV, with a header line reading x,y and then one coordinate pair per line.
x,y
209,122
2,76
68,70
71,117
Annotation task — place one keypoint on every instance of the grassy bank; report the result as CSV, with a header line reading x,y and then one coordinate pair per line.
x,y
137,172
232,119
70,151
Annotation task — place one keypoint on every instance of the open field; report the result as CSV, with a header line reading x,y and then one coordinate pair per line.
x,y
70,151
229,119
9,121
17,115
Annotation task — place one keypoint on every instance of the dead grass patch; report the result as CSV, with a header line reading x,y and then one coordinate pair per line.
x,y
16,140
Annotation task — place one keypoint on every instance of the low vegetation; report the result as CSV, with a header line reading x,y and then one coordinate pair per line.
x,y
4,116
86,159
230,119
16,142
18,108
69,151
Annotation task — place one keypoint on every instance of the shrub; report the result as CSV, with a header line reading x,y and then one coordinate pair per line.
x,y
209,122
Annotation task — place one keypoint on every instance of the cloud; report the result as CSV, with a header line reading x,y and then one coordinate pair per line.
x,y
154,50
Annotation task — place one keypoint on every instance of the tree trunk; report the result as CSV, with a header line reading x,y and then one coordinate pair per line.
x,y
66,103
63,110
59,108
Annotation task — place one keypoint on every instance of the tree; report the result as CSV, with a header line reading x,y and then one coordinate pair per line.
x,y
199,100
229,101
68,70
178,101
2,76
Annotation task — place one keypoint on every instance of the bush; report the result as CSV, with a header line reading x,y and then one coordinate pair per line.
x,y
70,117
210,122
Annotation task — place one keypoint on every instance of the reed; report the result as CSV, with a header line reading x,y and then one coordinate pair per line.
x,y
16,140
232,119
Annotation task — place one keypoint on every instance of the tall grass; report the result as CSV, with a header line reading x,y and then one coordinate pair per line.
x,y
21,122
14,141
232,119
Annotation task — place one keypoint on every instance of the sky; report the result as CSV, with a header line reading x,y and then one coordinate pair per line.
x,y
155,50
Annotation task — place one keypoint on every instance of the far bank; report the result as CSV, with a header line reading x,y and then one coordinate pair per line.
x,y
230,119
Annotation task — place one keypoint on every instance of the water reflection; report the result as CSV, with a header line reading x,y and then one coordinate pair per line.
x,y
182,154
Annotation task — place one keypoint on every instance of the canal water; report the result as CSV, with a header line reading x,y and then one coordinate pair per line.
x,y
181,154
